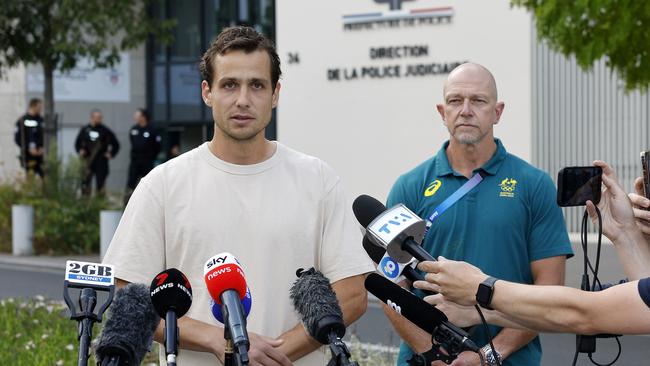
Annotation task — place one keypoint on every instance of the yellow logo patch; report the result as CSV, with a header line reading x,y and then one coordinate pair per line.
x,y
432,188
508,186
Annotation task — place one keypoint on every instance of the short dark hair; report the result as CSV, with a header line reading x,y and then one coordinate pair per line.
x,y
144,112
34,102
239,38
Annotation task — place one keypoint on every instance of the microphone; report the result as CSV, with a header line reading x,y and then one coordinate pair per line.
x,y
129,330
388,267
171,295
226,284
397,229
427,317
89,278
316,304
246,304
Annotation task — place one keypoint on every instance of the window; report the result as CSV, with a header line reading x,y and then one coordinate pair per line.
x,y
173,92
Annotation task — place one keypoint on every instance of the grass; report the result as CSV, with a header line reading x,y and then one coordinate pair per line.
x,y
39,332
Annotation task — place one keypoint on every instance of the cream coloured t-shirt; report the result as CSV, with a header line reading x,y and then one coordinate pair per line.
x,y
284,213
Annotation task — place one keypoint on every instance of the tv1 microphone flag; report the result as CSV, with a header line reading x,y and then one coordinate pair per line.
x,y
398,229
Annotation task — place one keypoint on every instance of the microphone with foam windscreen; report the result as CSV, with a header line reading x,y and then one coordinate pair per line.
x,y
129,329
398,229
453,339
315,301
226,284
171,295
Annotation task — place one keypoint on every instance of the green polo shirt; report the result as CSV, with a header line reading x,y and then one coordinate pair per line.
x,y
509,220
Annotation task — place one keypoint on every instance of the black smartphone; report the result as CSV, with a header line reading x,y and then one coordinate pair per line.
x,y
578,184
645,166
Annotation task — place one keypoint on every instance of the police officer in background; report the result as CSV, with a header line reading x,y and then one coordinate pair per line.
x,y
145,146
29,137
96,145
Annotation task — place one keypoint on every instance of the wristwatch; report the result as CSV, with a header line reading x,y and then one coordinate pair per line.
x,y
485,292
491,357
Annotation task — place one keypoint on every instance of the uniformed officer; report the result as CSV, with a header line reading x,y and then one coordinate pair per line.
x,y
145,146
96,145
29,137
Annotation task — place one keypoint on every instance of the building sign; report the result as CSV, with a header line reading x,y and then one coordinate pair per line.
x,y
397,17
87,83
394,70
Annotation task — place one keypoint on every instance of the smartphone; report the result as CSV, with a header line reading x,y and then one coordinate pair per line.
x,y
578,184
645,166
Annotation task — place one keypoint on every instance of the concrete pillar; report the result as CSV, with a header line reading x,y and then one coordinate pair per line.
x,y
108,221
22,229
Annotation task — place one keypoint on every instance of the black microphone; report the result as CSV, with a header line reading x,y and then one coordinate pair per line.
x,y
376,253
129,330
422,314
397,229
171,295
315,301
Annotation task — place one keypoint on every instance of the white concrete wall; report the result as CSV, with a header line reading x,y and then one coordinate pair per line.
x,y
12,105
373,130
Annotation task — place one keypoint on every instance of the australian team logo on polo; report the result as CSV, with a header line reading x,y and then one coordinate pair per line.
x,y
508,186
432,188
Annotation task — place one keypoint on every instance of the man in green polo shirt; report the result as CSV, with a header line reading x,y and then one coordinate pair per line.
x,y
508,225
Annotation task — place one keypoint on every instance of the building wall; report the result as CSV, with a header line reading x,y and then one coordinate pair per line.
x,y
581,116
12,105
371,130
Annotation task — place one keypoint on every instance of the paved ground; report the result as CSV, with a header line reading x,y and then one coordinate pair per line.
x,y
26,277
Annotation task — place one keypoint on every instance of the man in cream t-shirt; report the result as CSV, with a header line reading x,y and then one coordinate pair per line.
x,y
274,208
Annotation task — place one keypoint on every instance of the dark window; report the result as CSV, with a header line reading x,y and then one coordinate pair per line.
x,y
174,93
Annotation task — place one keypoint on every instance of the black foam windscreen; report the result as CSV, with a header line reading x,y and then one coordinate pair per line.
x,y
130,326
366,209
315,301
418,311
171,290
375,252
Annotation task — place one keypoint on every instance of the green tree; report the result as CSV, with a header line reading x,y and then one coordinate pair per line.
x,y
592,29
58,33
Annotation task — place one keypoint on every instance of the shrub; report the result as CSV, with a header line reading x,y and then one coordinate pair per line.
x,y
39,332
64,222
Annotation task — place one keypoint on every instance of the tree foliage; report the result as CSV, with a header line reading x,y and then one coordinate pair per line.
x,y
61,32
592,29
58,33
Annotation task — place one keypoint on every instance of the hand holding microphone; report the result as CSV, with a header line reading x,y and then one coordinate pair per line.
x,y
457,281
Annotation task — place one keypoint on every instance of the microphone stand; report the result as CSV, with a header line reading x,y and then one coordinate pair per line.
x,y
232,356
86,315
87,302
447,337
340,352
228,354
171,337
